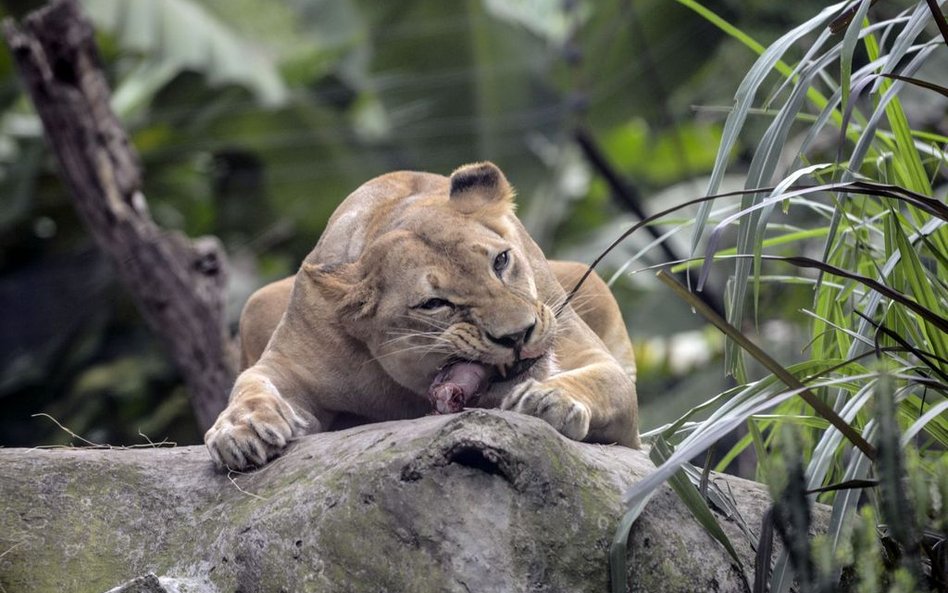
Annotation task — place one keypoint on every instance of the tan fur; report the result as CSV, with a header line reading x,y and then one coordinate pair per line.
x,y
593,302
346,340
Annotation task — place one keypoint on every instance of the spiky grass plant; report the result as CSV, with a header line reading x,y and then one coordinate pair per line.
x,y
878,325
895,544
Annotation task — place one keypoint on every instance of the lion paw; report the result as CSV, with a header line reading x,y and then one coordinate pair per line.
x,y
567,415
252,430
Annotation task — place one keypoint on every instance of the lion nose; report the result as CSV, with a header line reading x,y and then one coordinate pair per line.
x,y
514,340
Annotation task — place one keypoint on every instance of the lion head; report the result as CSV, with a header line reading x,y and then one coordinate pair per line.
x,y
449,276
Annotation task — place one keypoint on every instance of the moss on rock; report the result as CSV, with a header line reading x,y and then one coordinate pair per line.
x,y
477,501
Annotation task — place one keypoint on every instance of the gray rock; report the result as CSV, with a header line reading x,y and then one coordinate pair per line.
x,y
477,501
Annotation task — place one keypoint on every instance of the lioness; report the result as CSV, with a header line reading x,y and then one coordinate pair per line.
x,y
416,272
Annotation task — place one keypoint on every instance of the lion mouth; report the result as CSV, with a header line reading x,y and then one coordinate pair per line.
x,y
508,372
461,382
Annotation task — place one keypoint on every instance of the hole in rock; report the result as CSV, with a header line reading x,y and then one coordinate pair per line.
x,y
475,458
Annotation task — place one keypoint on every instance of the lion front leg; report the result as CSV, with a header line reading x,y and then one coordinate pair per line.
x,y
593,403
550,402
256,425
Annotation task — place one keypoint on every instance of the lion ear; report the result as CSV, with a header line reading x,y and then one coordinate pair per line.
x,y
480,185
344,287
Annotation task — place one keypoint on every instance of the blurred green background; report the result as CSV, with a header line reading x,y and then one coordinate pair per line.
x,y
255,118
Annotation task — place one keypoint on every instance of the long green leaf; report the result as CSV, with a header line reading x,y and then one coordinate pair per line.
x,y
929,315
934,415
765,548
918,279
849,45
821,408
718,425
769,59
692,499
920,201
619,550
939,19
919,83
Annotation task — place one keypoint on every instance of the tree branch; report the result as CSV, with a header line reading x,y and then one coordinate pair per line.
x,y
179,285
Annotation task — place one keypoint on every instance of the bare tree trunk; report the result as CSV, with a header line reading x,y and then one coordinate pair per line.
x,y
179,285
479,501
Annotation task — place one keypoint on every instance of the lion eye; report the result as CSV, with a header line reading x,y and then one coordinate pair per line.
x,y
431,304
501,262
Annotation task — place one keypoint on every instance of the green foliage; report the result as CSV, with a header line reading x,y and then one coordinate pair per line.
x,y
657,161
878,336
253,119
884,547
174,35
208,106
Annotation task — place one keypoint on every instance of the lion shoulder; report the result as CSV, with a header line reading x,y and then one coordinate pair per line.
x,y
597,307
260,317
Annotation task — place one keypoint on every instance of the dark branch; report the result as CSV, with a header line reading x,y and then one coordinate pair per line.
x,y
179,285
628,198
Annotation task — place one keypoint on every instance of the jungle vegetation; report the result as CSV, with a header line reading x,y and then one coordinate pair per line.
x,y
783,164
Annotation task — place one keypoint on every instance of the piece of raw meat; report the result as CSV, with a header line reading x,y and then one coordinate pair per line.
x,y
456,385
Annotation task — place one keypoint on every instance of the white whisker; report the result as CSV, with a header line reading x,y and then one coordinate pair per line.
x,y
402,335
434,323
420,349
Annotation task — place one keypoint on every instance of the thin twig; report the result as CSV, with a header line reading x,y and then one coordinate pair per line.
x,y
71,433
230,476
92,445
11,548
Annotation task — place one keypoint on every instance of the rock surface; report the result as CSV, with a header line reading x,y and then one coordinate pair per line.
x,y
478,501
